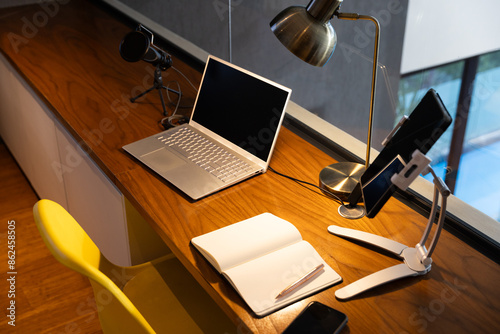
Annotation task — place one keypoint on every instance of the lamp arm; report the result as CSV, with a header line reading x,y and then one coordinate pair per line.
x,y
354,17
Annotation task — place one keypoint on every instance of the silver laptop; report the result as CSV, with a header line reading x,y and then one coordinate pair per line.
x,y
230,136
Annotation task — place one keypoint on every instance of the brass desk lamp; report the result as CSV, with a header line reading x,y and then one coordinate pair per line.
x,y
308,33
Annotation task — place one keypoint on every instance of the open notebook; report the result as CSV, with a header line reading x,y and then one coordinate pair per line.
x,y
230,137
260,257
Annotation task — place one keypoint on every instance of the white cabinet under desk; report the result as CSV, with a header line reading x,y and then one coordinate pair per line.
x,y
58,169
29,131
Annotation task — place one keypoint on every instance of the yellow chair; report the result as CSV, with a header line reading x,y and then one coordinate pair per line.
x,y
155,297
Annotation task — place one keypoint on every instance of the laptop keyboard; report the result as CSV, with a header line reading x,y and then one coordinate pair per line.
x,y
206,154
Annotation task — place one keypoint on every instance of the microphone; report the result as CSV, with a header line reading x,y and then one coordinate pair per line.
x,y
136,45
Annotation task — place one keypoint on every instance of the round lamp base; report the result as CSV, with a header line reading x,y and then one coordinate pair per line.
x,y
352,212
341,178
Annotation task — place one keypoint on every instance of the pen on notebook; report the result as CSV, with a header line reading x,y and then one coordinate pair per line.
x,y
300,281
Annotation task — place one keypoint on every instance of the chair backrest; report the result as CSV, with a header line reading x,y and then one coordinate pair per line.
x,y
71,246
65,238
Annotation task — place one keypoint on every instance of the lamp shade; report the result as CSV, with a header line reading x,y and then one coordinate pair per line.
x,y
307,31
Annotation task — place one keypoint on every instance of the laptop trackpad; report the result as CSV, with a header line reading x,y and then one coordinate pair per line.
x,y
162,160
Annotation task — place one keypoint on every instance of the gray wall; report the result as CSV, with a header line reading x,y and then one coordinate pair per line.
x,y
339,92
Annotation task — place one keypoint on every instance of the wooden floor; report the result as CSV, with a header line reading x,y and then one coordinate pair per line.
x,y
49,298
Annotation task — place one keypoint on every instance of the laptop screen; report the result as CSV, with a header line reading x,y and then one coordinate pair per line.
x,y
241,107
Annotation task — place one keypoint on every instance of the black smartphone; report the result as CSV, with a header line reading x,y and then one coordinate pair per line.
x,y
317,318
380,188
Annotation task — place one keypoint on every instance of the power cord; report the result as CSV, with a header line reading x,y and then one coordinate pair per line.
x,y
174,119
185,77
304,183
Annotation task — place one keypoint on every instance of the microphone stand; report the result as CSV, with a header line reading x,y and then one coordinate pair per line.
x,y
158,84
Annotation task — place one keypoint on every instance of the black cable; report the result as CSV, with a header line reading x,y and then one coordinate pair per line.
x,y
303,183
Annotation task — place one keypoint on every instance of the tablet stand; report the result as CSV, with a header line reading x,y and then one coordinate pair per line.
x,y
417,260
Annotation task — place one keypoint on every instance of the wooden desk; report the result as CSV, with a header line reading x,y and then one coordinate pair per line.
x,y
71,60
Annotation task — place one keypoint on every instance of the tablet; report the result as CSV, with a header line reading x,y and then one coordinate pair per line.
x,y
424,126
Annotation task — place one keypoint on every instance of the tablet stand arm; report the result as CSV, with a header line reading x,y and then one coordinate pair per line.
x,y
380,277
440,188
372,239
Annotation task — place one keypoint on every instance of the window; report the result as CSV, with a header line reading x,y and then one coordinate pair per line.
x,y
477,179
446,81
